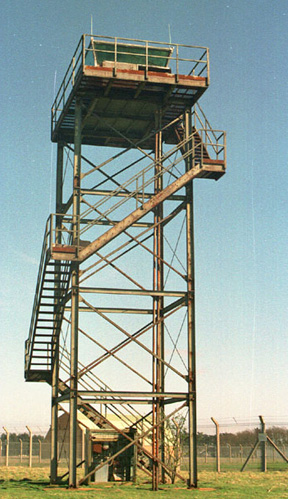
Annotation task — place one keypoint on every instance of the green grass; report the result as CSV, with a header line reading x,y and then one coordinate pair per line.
x,y
26,483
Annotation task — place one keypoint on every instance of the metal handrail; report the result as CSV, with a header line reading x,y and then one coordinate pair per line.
x,y
43,260
198,114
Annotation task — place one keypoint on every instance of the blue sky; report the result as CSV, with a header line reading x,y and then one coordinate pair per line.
x,y
240,221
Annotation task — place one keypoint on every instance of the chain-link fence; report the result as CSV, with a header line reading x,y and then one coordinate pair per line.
x,y
233,457
19,454
253,442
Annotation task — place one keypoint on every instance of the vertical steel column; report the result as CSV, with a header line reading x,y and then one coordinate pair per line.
x,y
158,304
192,422
75,301
55,344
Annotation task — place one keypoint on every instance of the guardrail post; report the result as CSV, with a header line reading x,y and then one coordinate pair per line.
x,y
115,58
83,52
30,446
177,63
7,447
217,445
208,65
146,60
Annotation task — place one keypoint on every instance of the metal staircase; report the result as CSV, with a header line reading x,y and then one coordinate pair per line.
x,y
51,290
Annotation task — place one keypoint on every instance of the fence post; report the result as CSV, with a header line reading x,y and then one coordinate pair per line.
x,y
7,447
230,452
0,449
241,453
206,452
39,450
30,446
21,449
217,445
263,439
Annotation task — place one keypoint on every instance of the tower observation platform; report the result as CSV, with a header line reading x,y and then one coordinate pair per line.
x,y
122,84
114,304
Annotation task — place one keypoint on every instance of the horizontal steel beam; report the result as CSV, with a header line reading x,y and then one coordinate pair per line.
x,y
103,393
110,310
91,221
125,401
137,292
147,195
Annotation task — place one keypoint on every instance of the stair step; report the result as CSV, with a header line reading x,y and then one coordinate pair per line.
x,y
50,272
48,367
46,305
45,320
46,312
46,357
42,335
44,327
41,343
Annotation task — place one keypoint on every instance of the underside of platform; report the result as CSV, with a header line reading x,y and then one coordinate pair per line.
x,y
120,111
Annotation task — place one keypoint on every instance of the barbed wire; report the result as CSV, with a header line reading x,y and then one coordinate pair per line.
x,y
232,423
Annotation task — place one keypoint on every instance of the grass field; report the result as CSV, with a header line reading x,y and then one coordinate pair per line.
x,y
26,483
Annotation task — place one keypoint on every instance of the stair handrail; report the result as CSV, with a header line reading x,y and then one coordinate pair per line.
x,y
45,253
206,126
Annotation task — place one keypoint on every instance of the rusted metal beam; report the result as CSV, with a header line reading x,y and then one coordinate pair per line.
x,y
191,375
137,292
75,303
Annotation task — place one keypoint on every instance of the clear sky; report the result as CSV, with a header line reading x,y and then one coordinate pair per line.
x,y
241,221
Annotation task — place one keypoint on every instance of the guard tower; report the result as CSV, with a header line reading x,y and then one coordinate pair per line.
x,y
113,321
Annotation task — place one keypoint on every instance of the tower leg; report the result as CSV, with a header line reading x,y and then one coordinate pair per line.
x,y
158,382
192,421
75,303
55,345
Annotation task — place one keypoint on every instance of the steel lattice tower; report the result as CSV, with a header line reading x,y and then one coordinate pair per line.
x,y
113,322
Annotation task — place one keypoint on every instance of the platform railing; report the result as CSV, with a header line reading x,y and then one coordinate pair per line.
x,y
213,140
181,59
